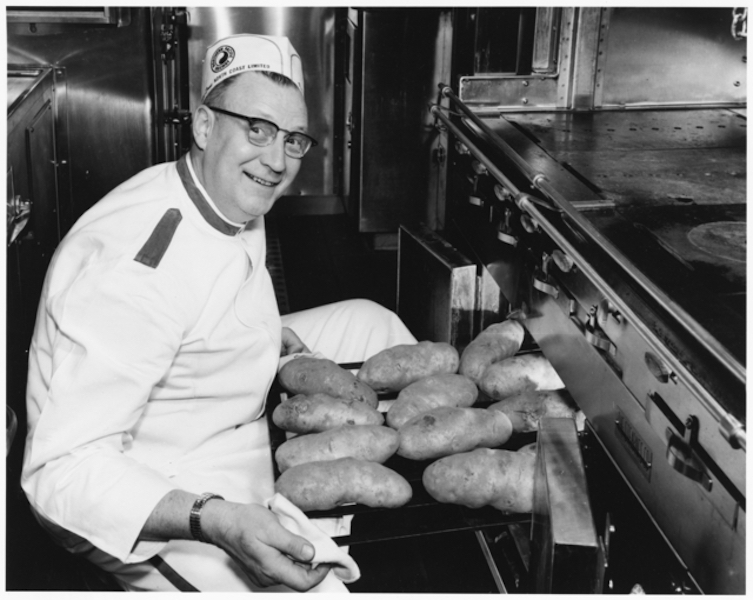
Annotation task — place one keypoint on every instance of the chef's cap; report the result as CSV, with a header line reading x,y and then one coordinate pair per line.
x,y
239,54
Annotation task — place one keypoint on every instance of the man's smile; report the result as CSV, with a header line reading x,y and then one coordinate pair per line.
x,y
260,181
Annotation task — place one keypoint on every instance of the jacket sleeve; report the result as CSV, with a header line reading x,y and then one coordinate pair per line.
x,y
102,343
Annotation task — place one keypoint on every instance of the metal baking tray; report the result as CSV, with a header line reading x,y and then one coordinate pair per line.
x,y
422,515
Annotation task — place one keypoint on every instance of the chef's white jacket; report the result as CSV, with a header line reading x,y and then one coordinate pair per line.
x,y
157,340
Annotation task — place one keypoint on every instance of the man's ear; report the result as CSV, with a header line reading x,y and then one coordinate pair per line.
x,y
203,122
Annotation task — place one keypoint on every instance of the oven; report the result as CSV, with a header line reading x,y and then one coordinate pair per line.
x,y
595,191
607,206
640,312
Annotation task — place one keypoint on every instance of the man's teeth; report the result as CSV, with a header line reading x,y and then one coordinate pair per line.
x,y
262,181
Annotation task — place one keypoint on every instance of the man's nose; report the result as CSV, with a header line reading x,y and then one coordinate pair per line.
x,y
274,154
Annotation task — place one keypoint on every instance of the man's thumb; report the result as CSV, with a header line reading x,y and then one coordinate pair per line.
x,y
300,549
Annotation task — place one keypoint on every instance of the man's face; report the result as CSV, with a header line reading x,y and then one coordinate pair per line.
x,y
245,180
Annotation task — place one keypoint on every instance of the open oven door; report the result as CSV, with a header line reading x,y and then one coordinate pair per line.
x,y
567,554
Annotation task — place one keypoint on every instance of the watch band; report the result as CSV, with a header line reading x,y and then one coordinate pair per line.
x,y
194,519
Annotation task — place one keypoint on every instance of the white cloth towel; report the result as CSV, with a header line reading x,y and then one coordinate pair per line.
x,y
344,568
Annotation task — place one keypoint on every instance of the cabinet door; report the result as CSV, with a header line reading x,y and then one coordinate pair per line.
x,y
31,177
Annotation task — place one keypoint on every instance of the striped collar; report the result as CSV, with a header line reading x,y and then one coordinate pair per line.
x,y
197,197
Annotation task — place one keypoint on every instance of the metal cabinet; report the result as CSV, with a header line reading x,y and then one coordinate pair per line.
x,y
37,212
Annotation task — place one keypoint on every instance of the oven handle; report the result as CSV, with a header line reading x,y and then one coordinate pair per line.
x,y
447,92
540,181
731,428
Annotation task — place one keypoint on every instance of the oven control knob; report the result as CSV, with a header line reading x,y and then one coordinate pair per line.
x,y
563,261
733,431
478,168
461,148
502,193
528,223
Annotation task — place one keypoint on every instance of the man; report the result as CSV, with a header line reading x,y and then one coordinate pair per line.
x,y
158,337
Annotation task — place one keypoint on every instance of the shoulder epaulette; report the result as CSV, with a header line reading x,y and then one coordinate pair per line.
x,y
154,249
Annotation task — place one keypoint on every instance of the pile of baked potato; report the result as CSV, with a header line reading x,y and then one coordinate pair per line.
x,y
452,411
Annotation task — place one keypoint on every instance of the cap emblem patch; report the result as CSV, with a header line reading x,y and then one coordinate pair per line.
x,y
222,57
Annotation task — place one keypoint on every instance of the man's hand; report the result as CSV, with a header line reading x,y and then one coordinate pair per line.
x,y
266,551
291,343
250,533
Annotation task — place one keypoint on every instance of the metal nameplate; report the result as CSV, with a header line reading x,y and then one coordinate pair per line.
x,y
639,450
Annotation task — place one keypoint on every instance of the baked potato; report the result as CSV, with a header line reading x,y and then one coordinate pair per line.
x,y
309,375
324,485
484,477
319,412
448,389
395,368
495,343
521,373
374,443
448,430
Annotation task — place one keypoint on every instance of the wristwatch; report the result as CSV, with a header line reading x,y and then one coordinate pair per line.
x,y
194,519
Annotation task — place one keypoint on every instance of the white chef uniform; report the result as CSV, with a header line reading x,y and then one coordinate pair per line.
x,y
157,340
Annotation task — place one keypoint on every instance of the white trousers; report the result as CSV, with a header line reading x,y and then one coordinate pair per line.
x,y
347,331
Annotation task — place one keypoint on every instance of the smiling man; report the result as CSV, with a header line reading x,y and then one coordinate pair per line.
x,y
157,340
239,155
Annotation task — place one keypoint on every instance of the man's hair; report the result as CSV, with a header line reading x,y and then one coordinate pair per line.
x,y
217,93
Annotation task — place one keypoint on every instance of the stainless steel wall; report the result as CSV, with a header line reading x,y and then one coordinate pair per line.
x,y
311,31
109,97
614,58
670,56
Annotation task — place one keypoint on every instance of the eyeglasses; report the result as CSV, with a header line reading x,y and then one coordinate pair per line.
x,y
262,132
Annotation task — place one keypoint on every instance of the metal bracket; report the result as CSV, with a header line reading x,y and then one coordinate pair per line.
x,y
545,287
540,279
506,238
594,335
683,459
168,36
440,155
505,233
177,117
